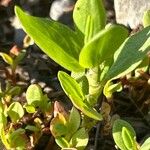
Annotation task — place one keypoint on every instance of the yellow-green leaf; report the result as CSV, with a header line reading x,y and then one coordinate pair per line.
x,y
130,54
74,92
89,17
102,46
7,58
15,111
57,40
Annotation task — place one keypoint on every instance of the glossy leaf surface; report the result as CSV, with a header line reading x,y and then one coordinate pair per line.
x,y
74,92
58,126
89,16
34,95
17,139
110,88
117,132
55,39
130,54
74,121
146,144
102,46
7,58
128,139
3,120
15,111
80,139
62,142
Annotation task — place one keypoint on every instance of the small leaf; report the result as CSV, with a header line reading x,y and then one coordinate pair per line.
x,y
89,23
74,121
74,92
62,142
128,139
30,109
32,128
146,18
19,57
102,46
34,95
80,139
3,120
146,144
7,58
14,91
84,84
15,111
82,80
58,126
53,38
110,88
130,54
17,139
117,132
71,88
4,139
45,105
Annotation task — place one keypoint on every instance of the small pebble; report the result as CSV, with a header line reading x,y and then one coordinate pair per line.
x,y
42,84
47,90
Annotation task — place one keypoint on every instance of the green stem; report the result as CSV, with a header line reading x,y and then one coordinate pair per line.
x,y
95,87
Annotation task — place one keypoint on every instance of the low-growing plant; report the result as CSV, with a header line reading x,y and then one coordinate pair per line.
x,y
125,137
22,123
15,56
95,54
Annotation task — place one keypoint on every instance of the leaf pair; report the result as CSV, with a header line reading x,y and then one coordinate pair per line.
x,y
64,124
58,41
66,130
36,98
125,137
78,141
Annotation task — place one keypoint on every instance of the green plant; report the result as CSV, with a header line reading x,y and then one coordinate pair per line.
x,y
125,137
67,129
21,123
13,59
94,53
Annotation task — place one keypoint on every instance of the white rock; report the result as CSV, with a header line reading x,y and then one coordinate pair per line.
x,y
130,12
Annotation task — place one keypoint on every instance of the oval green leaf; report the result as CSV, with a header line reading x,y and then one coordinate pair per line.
x,y
80,139
74,121
128,140
15,111
7,58
102,46
62,142
117,132
34,95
